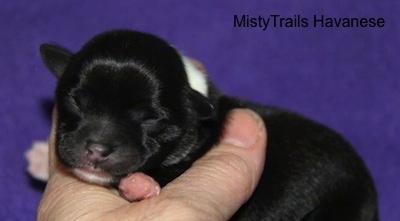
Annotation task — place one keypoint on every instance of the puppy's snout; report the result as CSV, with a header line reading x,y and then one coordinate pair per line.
x,y
96,152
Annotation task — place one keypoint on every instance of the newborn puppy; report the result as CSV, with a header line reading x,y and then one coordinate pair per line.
x,y
129,102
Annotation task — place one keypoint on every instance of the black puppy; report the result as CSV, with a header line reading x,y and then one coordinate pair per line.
x,y
128,102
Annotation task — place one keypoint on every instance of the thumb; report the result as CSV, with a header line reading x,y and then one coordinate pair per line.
x,y
224,178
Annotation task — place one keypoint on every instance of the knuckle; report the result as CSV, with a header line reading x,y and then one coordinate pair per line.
x,y
234,169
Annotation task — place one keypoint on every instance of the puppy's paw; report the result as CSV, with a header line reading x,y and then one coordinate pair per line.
x,y
138,186
38,160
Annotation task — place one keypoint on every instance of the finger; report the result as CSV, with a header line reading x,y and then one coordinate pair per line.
x,y
221,181
53,165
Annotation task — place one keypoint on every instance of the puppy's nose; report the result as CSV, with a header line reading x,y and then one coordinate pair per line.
x,y
98,152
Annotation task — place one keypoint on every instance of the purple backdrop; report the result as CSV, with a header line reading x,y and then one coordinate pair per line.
x,y
347,78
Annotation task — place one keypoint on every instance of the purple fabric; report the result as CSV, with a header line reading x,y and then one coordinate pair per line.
x,y
347,78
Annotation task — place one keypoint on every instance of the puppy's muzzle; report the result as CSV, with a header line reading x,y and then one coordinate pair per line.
x,y
98,153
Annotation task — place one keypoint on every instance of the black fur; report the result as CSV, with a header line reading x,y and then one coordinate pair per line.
x,y
125,105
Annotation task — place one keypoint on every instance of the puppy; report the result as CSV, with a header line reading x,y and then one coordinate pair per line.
x,y
129,102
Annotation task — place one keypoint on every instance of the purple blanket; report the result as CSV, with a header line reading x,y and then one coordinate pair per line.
x,y
298,55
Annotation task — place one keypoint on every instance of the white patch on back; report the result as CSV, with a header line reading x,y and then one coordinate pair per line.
x,y
197,79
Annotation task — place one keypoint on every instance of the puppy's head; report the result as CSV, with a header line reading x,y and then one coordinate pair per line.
x,y
125,100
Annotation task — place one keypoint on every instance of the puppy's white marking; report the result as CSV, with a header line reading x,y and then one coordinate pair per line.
x,y
197,79
101,178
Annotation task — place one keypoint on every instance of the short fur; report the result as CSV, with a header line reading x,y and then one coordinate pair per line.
x,y
125,104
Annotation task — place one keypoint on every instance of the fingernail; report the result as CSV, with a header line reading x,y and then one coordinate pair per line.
x,y
242,128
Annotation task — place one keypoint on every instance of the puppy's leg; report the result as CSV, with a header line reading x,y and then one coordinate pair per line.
x,y
138,186
38,160
354,205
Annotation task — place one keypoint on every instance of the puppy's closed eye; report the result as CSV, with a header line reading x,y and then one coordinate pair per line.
x,y
154,126
152,121
142,113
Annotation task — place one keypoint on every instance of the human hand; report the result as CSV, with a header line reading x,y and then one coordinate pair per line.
x,y
214,188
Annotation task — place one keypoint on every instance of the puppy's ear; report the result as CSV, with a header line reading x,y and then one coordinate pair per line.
x,y
203,107
55,58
